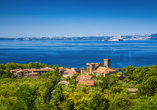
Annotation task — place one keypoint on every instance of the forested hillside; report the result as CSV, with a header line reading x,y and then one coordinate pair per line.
x,y
108,93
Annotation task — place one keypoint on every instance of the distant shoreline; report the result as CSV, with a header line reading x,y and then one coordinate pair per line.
x,y
102,38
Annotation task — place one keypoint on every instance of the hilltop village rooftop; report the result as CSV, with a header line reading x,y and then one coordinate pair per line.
x,y
33,73
98,69
84,78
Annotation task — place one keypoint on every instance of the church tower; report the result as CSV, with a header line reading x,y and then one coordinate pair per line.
x,y
107,62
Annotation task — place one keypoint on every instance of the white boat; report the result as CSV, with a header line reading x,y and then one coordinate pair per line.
x,y
115,40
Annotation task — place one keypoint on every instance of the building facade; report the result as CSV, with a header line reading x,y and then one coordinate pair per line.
x,y
30,72
98,69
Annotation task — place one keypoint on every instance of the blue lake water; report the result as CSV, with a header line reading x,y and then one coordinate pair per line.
x,y
78,53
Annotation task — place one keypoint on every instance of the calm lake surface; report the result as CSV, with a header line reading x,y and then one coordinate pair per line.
x,y
78,53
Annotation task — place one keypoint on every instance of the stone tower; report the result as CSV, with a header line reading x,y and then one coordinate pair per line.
x,y
107,62
92,67
88,66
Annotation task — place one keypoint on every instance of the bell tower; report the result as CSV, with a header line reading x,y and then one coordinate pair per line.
x,y
107,62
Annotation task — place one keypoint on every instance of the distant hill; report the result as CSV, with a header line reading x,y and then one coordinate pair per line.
x,y
153,36
140,37
103,38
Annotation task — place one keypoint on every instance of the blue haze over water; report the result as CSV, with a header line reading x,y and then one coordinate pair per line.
x,y
78,53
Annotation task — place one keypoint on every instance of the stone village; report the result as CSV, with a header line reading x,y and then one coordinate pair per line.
x,y
83,78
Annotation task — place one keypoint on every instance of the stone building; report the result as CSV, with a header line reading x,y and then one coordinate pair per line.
x,y
67,72
30,72
98,69
85,79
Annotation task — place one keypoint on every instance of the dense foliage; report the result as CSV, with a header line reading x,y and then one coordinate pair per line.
x,y
110,93
146,77
5,68
26,93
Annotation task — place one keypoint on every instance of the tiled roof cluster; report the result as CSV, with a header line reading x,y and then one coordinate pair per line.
x,y
102,69
87,83
41,69
31,72
33,69
67,72
85,79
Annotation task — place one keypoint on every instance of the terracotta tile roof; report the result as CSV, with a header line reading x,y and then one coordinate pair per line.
x,y
111,70
33,69
99,71
32,74
98,65
20,71
15,69
41,69
88,83
102,69
85,79
72,72
67,70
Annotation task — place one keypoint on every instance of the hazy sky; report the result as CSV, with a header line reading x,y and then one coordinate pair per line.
x,y
36,18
